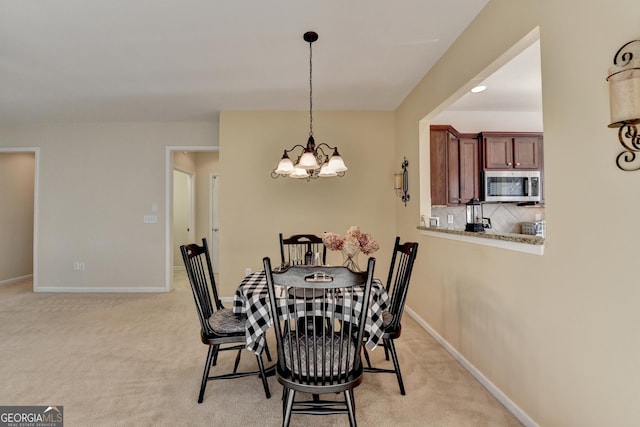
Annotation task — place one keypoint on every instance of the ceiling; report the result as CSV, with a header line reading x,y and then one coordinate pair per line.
x,y
146,60
511,102
516,86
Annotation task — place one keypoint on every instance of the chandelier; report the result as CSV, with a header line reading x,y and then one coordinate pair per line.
x,y
312,161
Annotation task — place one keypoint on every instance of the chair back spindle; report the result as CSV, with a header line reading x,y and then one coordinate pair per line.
x,y
198,264
293,249
402,261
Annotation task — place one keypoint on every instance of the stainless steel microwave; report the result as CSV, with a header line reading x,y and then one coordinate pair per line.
x,y
512,186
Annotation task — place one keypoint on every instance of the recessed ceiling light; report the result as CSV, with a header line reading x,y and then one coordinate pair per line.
x,y
478,89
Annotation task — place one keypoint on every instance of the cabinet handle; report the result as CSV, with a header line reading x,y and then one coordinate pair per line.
x,y
509,164
518,164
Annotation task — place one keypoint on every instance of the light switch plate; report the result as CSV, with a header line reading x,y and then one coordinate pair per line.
x,y
434,221
150,219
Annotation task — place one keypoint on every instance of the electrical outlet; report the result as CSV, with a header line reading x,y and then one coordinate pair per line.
x,y
449,219
247,271
81,265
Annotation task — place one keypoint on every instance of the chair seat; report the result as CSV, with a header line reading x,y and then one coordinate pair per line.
x,y
387,318
225,321
336,349
390,331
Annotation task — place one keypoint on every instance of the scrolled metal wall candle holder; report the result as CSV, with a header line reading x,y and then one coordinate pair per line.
x,y
401,184
624,99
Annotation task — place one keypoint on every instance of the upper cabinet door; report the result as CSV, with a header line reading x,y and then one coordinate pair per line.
x,y
498,152
505,151
469,170
526,152
455,172
439,153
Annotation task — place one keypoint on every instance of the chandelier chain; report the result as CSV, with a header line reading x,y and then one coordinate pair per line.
x,y
310,90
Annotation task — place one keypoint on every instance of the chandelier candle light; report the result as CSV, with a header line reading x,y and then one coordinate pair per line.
x,y
312,161
351,244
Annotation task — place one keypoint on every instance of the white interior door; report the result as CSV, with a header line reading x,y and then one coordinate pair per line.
x,y
214,238
183,213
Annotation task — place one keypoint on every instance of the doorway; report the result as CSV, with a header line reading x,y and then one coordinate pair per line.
x,y
20,191
201,163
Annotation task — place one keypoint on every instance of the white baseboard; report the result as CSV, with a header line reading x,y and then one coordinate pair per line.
x,y
15,279
84,289
486,383
99,290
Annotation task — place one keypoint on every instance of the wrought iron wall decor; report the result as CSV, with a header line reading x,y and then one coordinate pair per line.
x,y
624,100
401,183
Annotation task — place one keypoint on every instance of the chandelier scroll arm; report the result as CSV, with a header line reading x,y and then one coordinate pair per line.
x,y
329,148
327,145
294,147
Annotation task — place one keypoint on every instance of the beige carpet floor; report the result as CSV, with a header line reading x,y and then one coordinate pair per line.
x,y
136,360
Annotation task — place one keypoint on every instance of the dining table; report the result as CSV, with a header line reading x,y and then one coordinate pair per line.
x,y
252,299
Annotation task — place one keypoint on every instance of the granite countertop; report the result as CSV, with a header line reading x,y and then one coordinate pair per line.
x,y
518,238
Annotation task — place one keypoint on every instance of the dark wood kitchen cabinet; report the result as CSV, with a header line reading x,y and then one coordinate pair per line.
x,y
507,151
455,174
469,168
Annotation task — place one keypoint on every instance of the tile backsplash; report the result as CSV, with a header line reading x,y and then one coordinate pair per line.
x,y
505,217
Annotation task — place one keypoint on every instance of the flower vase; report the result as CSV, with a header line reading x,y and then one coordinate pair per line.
x,y
350,261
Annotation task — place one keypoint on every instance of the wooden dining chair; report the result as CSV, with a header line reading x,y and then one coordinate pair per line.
x,y
294,249
220,328
402,260
319,357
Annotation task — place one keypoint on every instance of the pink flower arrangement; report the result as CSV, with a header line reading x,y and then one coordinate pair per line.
x,y
352,243
333,241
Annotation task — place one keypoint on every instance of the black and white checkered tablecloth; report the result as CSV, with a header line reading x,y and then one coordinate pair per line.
x,y
252,299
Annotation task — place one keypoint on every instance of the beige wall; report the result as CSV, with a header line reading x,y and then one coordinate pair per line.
x,y
555,333
96,183
255,208
16,215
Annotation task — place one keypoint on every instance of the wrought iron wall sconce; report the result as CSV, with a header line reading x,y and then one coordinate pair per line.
x,y
401,183
624,100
